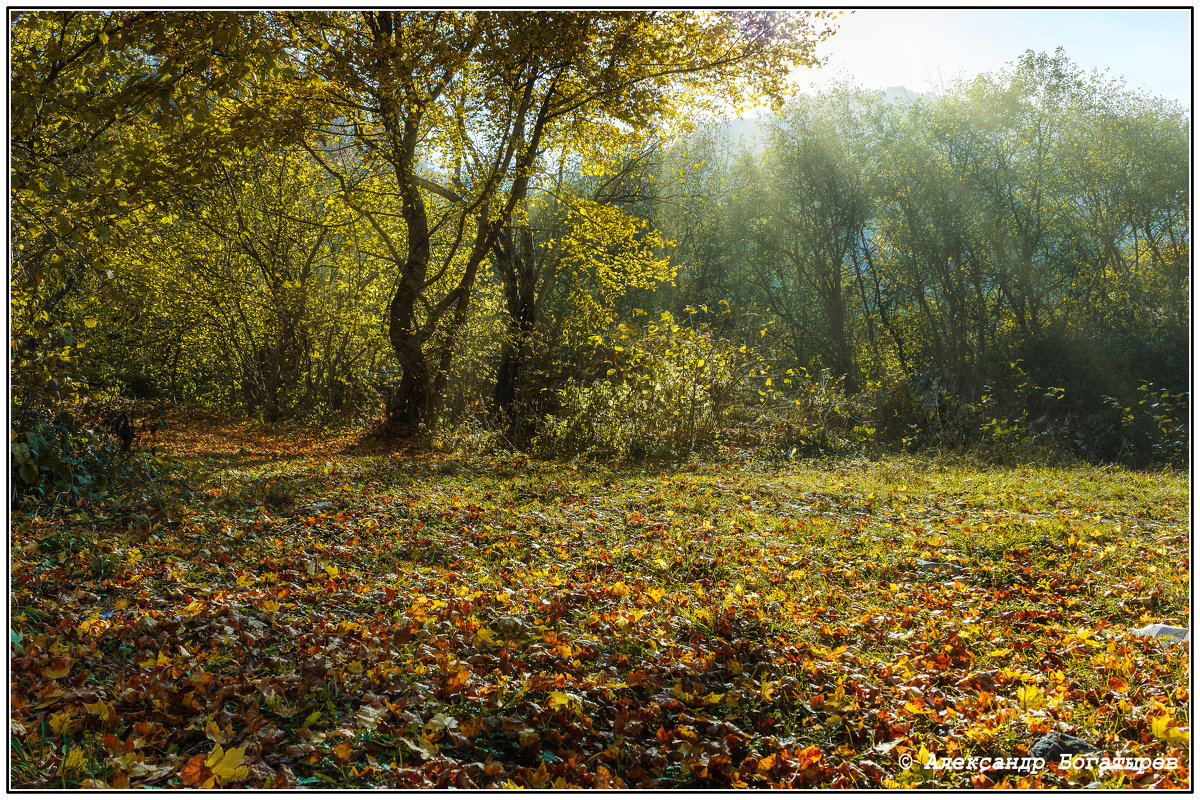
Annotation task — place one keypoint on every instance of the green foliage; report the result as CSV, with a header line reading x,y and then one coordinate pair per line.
x,y
313,214
258,294
811,416
1028,215
1154,426
73,454
666,392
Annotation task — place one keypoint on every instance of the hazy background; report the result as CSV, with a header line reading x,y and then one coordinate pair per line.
x,y
927,48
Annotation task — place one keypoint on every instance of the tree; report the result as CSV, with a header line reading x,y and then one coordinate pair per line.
x,y
459,106
259,290
930,250
111,112
819,203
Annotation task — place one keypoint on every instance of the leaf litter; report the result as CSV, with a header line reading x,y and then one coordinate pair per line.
x,y
293,613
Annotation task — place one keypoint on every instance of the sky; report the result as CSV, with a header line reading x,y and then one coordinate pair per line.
x,y
924,49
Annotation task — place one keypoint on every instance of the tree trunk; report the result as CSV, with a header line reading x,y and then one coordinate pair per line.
x,y
409,405
515,254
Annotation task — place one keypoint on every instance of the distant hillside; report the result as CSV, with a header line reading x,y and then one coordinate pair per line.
x,y
900,94
749,128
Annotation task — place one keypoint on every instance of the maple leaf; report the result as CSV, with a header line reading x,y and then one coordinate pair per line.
x,y
219,768
59,667
1167,729
1030,697
75,760
619,589
214,733
62,721
161,660
194,772
105,710
541,778
561,700
458,679
426,749
368,717
227,765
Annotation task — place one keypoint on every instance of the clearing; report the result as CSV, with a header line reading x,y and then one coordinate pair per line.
x,y
291,612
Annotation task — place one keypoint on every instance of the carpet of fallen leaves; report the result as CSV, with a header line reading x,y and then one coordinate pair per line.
x,y
287,611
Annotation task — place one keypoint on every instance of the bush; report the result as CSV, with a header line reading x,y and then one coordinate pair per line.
x,y
1151,428
667,390
806,417
76,452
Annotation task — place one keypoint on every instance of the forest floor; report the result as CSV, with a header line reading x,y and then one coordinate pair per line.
x,y
284,610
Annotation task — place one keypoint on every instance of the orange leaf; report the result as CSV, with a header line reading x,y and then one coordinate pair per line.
x,y
458,680
194,772
809,755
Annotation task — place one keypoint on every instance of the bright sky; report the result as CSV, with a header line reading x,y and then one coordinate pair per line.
x,y
925,48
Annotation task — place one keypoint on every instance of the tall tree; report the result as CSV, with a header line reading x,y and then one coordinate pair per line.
x,y
819,205
459,106
111,112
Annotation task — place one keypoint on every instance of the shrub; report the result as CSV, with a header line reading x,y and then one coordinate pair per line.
x,y
666,391
77,451
1153,428
798,415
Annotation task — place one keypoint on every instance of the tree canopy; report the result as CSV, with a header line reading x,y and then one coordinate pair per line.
x,y
468,213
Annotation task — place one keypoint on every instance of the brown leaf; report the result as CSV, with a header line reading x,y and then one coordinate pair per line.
x,y
59,667
194,772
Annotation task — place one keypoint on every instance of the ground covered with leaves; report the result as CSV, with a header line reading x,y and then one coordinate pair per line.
x,y
285,610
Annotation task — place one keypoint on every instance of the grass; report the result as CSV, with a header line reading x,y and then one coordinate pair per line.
x,y
293,613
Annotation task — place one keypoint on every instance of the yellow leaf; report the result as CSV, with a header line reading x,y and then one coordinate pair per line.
x,y
76,758
1030,697
1167,729
160,660
559,700
540,778
331,570
60,721
105,710
91,322
59,667
213,731
227,765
